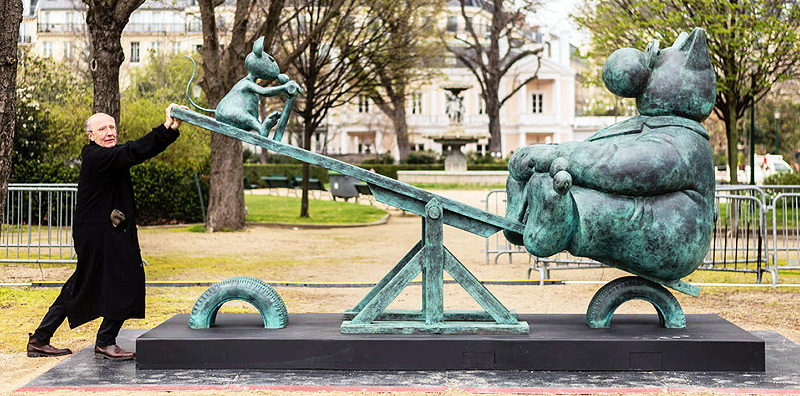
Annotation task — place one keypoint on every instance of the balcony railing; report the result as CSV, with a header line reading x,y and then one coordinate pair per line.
x,y
62,27
156,28
129,28
24,39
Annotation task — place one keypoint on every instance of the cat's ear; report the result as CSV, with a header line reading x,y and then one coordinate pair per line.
x,y
258,47
695,48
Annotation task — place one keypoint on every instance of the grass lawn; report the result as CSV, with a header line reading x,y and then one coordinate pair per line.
x,y
456,186
272,209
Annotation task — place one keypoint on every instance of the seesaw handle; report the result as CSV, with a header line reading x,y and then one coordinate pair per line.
x,y
287,109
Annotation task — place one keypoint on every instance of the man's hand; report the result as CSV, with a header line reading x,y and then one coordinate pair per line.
x,y
173,123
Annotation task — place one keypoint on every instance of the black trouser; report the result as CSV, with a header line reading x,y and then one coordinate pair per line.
x,y
55,316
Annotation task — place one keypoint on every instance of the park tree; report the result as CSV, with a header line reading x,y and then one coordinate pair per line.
x,y
332,68
490,49
223,66
56,100
753,44
106,19
10,18
411,46
153,86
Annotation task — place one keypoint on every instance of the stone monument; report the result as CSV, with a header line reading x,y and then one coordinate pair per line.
x,y
456,135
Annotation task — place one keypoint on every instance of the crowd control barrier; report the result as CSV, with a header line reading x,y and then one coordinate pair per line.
x,y
37,224
756,230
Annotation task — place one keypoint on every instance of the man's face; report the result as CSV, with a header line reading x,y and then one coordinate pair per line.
x,y
104,130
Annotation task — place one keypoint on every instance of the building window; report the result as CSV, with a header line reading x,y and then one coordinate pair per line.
x,y
481,104
452,24
47,49
416,103
176,48
198,47
134,52
155,47
363,104
67,50
537,103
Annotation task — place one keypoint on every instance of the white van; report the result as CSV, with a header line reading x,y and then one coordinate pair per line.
x,y
766,165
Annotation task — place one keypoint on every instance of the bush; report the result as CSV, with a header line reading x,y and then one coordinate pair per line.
x,y
475,158
164,194
500,166
167,195
791,179
384,159
33,172
427,157
254,172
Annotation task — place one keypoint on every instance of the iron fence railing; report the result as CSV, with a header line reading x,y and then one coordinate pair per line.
x,y
756,230
37,224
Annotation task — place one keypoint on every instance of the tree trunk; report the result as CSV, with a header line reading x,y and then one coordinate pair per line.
x,y
221,71
308,129
732,134
106,22
108,57
11,11
493,111
226,194
400,125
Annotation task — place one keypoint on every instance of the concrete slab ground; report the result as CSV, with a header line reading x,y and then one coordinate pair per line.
x,y
82,372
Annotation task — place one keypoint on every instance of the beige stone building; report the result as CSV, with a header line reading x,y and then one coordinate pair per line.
x,y
57,29
543,111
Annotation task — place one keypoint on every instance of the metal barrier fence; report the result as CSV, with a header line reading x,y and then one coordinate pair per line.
x,y
37,224
785,235
738,241
743,239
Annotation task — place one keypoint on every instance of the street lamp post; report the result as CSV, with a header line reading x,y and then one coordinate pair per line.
x,y
777,117
752,125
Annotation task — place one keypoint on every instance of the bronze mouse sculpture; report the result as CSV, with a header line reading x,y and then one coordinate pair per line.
x,y
239,107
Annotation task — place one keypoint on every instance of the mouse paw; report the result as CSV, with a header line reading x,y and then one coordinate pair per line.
x,y
271,120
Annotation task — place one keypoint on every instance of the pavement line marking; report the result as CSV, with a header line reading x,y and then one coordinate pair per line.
x,y
424,389
511,282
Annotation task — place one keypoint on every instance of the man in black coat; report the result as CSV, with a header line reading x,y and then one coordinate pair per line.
x,y
108,280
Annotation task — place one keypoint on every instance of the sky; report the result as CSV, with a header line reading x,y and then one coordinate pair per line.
x,y
555,16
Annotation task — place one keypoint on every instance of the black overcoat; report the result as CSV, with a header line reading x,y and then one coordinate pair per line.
x,y
109,277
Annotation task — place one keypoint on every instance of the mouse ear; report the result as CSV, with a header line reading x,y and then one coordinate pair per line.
x,y
258,47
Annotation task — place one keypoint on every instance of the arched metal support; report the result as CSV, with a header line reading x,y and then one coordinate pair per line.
x,y
242,288
617,292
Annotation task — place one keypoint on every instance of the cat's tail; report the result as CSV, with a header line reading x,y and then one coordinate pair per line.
x,y
189,86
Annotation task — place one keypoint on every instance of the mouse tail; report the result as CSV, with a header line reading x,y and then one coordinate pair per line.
x,y
189,87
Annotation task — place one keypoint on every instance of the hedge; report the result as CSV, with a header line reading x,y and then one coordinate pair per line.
x,y
164,194
254,172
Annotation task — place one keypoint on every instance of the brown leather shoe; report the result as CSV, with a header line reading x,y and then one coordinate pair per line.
x,y
113,352
37,349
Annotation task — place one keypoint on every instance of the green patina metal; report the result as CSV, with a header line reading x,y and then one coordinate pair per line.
x,y
621,290
428,256
637,195
239,107
241,288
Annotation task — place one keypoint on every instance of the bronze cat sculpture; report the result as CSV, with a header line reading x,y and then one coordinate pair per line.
x,y
637,195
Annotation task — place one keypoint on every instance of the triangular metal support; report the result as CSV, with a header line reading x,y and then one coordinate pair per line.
x,y
430,258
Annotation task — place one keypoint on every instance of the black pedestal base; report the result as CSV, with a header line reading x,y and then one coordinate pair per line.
x,y
556,342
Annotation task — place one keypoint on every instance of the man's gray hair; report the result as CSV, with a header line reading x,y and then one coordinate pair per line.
x,y
88,124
